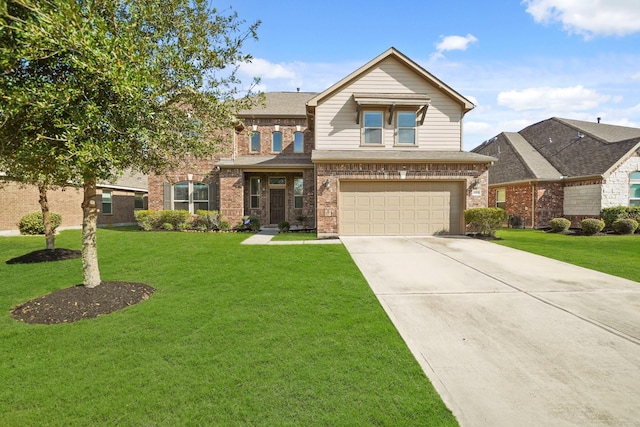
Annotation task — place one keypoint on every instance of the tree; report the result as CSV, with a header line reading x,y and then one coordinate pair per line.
x,y
96,87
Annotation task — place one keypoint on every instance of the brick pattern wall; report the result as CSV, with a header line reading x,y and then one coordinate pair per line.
x,y
329,175
545,200
122,208
266,127
231,195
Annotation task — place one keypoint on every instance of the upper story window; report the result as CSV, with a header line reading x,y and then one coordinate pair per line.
x,y
107,205
276,142
255,142
298,142
372,126
190,196
634,189
298,192
406,127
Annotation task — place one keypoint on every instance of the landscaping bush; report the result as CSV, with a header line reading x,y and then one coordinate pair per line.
x,y
591,226
625,226
147,219
485,221
157,220
225,226
248,223
177,219
32,223
558,225
167,226
614,213
283,226
207,220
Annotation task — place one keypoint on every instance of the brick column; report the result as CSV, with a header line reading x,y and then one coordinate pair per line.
x,y
231,195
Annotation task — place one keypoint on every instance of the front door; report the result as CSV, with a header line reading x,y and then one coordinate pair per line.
x,y
276,202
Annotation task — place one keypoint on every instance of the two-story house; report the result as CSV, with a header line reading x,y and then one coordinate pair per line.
x,y
378,153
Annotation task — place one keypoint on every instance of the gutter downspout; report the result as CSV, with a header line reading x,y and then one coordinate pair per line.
x,y
533,205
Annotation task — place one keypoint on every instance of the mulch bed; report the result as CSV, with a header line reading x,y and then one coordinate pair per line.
x,y
77,302
46,255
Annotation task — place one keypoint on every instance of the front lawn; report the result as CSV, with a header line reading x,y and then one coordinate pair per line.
x,y
612,254
234,335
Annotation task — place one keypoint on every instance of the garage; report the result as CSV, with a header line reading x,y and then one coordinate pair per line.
x,y
400,208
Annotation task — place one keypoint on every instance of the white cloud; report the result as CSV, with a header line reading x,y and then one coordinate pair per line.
x,y
455,43
266,70
574,98
588,17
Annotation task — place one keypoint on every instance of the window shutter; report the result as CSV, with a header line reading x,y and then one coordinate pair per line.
x,y
166,196
213,201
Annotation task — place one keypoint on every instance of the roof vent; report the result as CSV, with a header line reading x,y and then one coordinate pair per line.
x,y
599,119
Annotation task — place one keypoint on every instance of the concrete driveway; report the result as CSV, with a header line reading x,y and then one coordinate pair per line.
x,y
510,338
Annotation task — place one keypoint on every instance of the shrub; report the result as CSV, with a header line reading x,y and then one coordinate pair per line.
x,y
591,226
175,218
559,225
248,223
32,223
283,226
614,213
147,219
485,221
625,226
207,220
167,226
225,226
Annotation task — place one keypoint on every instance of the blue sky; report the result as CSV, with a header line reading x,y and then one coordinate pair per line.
x,y
519,61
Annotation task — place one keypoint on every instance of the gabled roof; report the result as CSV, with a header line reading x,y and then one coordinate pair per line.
x,y
560,148
392,52
280,105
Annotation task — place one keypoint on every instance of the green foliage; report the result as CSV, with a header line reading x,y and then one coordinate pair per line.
x,y
146,219
32,223
591,226
175,218
485,221
559,225
283,226
614,213
157,220
167,226
207,220
225,226
625,226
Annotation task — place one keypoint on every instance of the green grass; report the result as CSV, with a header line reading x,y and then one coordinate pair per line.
x,y
612,254
234,335
287,237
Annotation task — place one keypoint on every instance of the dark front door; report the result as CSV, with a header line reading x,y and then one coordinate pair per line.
x,y
277,206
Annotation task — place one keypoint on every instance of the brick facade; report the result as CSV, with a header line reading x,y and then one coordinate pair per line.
x,y
533,204
328,178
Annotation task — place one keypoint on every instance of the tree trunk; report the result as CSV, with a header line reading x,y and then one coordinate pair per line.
x,y
90,270
46,218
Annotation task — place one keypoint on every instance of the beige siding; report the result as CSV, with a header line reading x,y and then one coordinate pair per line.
x,y
336,126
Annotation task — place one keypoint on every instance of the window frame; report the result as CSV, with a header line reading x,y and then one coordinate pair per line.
x,y
364,128
254,192
634,181
298,145
104,203
190,201
502,204
298,192
254,142
398,128
273,141
138,197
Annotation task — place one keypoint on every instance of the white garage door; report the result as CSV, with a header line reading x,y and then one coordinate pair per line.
x,y
400,208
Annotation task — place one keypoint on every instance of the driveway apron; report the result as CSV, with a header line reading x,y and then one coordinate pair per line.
x,y
509,338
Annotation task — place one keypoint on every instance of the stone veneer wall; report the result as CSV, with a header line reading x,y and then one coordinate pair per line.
x,y
615,190
328,195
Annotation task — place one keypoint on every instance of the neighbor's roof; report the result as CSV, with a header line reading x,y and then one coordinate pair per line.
x,y
280,104
558,147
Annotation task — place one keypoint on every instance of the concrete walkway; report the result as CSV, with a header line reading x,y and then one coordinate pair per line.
x,y
510,338
264,236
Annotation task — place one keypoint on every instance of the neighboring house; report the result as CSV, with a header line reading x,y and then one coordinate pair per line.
x,y
563,168
116,201
378,153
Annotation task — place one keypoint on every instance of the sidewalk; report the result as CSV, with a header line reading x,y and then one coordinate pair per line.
x,y
264,236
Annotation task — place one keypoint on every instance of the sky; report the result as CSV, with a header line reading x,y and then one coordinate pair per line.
x,y
519,62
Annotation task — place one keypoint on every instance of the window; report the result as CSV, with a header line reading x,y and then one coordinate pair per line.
x,y
298,192
106,202
372,127
501,198
406,127
191,196
138,201
255,142
634,189
255,193
278,181
298,142
276,138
